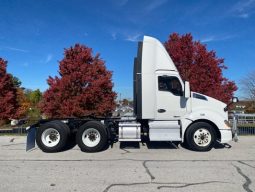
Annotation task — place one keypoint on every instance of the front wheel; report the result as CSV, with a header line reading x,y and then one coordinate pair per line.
x,y
200,136
92,137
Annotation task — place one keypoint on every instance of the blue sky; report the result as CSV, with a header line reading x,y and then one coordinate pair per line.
x,y
33,34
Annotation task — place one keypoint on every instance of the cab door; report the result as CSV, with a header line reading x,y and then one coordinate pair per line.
x,y
170,100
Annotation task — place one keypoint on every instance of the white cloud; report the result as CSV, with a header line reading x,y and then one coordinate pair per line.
x,y
216,38
16,49
244,5
25,64
114,35
244,15
119,3
207,39
243,9
133,38
48,58
155,4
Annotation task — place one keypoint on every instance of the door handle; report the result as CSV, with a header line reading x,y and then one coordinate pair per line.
x,y
161,110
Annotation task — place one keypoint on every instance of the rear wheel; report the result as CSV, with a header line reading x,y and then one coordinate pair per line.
x,y
200,136
92,137
52,136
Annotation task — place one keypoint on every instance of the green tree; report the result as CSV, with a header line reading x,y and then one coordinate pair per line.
x,y
17,83
34,97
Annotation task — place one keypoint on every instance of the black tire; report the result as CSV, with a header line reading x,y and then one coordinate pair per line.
x,y
90,126
63,131
191,137
71,142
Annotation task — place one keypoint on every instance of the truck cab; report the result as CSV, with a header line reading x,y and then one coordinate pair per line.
x,y
173,112
164,110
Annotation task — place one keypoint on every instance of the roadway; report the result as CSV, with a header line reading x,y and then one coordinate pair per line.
x,y
127,167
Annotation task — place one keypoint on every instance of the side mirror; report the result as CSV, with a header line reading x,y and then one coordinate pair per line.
x,y
186,89
235,99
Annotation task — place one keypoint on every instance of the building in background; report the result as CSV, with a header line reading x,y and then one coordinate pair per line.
x,y
124,108
243,106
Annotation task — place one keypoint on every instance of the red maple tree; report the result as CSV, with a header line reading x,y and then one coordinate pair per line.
x,y
8,94
202,68
83,88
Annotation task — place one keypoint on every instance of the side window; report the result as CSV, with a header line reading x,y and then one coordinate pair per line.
x,y
170,84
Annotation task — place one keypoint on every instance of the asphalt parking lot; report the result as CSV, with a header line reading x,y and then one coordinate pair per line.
x,y
126,167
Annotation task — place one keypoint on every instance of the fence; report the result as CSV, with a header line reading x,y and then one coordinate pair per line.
x,y
245,123
19,128
18,131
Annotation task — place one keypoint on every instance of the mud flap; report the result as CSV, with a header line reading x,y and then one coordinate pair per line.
x,y
31,133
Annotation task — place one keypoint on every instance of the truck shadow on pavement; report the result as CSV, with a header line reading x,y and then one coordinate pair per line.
x,y
217,145
149,145
162,145
129,145
222,146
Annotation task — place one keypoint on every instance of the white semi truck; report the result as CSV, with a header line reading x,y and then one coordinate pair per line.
x,y
164,110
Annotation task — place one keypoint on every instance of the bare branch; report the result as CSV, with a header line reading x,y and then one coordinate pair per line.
x,y
248,86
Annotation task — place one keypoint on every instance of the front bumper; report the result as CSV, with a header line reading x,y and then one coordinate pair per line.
x,y
228,135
